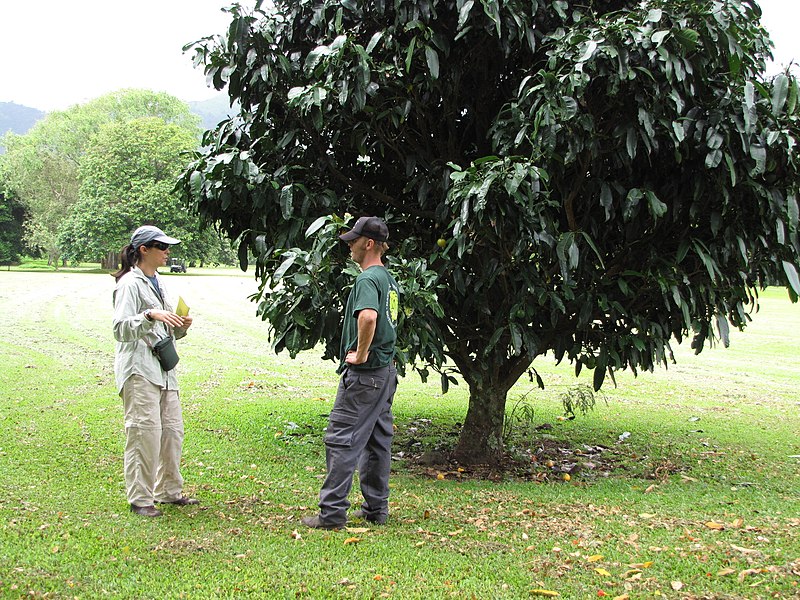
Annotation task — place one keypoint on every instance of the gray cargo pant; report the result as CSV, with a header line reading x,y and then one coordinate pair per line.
x,y
359,435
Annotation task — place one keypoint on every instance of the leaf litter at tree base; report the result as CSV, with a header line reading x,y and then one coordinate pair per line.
x,y
426,449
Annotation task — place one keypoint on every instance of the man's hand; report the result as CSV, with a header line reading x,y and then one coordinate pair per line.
x,y
367,320
353,358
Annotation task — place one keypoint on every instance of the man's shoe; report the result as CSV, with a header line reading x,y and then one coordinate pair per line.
x,y
182,501
146,511
378,520
316,523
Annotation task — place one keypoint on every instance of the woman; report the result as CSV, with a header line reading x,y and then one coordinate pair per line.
x,y
153,420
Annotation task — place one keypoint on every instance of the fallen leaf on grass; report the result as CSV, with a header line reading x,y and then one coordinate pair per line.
x,y
602,571
688,535
630,572
352,540
644,565
746,572
687,478
676,585
744,550
724,572
296,535
357,529
622,597
714,525
595,558
456,532
546,593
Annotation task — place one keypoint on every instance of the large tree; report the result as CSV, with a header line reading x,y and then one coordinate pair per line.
x,y
127,179
592,179
41,167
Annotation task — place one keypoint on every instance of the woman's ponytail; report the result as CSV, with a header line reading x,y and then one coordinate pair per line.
x,y
128,257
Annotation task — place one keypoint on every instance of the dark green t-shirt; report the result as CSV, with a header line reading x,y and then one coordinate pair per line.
x,y
374,288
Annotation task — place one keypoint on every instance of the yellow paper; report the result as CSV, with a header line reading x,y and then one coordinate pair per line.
x,y
182,309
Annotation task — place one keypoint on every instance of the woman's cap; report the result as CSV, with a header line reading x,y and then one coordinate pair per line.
x,y
371,227
149,233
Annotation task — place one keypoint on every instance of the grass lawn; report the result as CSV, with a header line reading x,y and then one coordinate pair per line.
x,y
684,483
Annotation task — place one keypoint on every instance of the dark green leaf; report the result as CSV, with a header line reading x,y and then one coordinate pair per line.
x,y
687,38
780,91
599,374
287,195
316,226
433,62
463,14
791,276
281,270
654,15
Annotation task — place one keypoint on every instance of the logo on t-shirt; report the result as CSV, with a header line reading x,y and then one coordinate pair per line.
x,y
394,306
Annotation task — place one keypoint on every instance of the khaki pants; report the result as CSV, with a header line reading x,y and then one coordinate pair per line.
x,y
154,439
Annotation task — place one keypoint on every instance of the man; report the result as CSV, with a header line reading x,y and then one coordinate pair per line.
x,y
360,427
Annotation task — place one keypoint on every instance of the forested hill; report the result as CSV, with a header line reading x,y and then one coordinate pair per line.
x,y
212,111
17,118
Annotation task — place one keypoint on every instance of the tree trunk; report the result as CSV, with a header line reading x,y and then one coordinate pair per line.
x,y
481,439
110,261
53,259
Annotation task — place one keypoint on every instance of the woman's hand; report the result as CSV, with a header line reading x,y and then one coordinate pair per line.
x,y
168,318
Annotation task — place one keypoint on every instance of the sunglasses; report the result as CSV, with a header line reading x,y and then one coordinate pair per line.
x,y
159,245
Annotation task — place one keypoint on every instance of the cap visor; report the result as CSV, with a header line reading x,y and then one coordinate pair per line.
x,y
167,240
349,236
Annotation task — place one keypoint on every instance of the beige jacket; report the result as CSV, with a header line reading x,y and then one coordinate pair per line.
x,y
133,295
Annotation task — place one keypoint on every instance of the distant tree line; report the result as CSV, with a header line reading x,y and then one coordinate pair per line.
x,y
76,185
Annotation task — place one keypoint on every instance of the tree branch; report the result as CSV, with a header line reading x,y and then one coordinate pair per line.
x,y
570,199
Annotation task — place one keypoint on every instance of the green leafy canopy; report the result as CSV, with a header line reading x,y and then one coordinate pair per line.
x,y
606,176
43,167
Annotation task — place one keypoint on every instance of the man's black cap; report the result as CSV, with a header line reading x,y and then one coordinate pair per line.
x,y
371,227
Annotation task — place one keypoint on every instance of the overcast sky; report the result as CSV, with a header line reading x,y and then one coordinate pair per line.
x,y
56,53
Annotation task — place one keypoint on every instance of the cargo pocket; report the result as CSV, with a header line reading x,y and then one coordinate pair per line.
x,y
341,427
364,388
